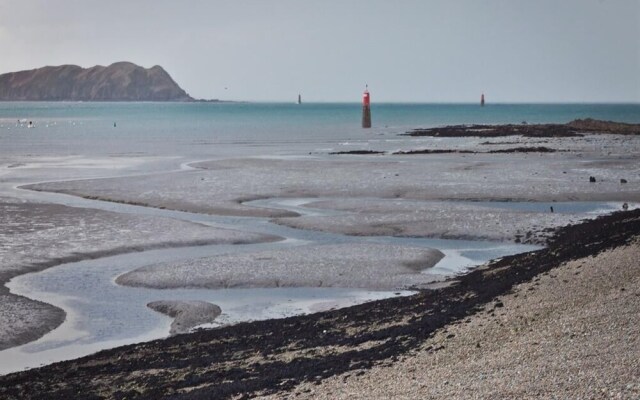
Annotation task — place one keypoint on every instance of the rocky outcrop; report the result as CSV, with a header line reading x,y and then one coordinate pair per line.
x,y
578,127
594,125
122,81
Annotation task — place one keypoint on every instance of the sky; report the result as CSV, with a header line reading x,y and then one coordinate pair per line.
x,y
327,50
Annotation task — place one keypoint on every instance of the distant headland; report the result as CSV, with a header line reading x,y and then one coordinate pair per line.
x,y
121,81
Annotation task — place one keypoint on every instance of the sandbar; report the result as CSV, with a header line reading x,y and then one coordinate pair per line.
x,y
354,265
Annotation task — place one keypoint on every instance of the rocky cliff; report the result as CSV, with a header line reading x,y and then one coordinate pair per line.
x,y
122,81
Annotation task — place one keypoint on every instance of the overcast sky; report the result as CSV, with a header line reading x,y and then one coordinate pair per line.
x,y
406,50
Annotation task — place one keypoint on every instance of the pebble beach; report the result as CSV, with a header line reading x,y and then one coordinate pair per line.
x,y
572,333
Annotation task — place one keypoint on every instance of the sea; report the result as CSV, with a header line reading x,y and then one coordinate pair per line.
x,y
220,128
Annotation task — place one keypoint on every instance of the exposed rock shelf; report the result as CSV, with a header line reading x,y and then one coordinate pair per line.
x,y
577,127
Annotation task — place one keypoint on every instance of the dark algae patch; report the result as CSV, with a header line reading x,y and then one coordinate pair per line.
x,y
523,149
435,151
264,357
357,152
538,149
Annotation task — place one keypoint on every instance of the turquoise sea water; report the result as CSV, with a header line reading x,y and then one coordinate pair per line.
x,y
187,128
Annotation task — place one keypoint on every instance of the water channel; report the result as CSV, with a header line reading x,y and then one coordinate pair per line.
x,y
102,314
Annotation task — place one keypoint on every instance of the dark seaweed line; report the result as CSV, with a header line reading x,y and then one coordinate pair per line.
x,y
214,364
522,149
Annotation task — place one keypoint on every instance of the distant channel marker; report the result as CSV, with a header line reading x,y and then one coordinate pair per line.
x,y
366,108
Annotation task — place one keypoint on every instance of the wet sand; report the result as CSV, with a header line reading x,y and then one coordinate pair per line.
x,y
476,220
384,190
67,234
369,266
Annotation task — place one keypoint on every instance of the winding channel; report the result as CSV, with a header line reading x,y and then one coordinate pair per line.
x,y
102,314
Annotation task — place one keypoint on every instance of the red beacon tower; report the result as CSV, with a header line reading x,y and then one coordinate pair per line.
x,y
366,108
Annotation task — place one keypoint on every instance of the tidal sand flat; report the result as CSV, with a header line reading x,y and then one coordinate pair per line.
x,y
374,187
220,187
36,236
495,220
